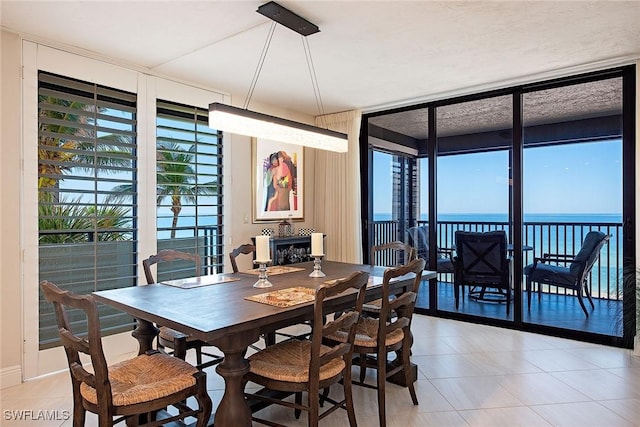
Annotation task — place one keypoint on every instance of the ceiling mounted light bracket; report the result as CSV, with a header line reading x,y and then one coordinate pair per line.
x,y
245,122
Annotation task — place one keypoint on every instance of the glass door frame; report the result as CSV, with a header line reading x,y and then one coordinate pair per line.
x,y
430,151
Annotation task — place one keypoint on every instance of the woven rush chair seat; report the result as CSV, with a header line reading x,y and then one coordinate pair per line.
x,y
139,390
367,334
376,338
401,254
289,361
296,366
373,306
144,378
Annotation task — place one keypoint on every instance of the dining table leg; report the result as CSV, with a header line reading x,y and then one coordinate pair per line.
x,y
233,410
145,332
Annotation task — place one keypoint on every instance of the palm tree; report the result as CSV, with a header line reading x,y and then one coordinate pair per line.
x,y
175,175
66,141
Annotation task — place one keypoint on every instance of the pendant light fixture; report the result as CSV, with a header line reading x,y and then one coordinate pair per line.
x,y
251,123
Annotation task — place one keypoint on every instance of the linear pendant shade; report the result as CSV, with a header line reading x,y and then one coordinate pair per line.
x,y
245,122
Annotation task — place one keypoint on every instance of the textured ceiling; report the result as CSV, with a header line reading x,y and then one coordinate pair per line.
x,y
368,55
575,102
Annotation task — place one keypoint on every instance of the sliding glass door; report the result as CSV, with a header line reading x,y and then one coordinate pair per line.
x,y
473,194
573,188
552,166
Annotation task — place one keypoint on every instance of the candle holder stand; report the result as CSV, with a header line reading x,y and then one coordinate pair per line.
x,y
317,272
263,279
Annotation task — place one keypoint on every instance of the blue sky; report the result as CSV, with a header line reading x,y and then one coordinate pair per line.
x,y
572,178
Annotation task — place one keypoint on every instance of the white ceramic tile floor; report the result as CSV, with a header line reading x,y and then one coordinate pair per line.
x,y
469,375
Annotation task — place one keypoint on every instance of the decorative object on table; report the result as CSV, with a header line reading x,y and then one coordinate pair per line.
x,y
285,297
268,231
306,231
278,181
262,259
317,252
274,270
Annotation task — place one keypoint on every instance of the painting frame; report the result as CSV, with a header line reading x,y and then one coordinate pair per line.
x,y
277,191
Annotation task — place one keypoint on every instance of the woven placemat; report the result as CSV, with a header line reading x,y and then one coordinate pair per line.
x,y
285,297
373,281
196,282
275,269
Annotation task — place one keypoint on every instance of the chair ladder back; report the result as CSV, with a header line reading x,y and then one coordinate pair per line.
x,y
166,255
245,249
347,321
397,247
73,344
404,303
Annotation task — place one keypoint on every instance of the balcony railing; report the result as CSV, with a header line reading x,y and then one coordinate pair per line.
x,y
605,280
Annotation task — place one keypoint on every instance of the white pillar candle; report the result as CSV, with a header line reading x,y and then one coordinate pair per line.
x,y
262,248
317,244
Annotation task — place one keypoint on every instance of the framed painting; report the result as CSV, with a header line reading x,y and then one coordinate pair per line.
x,y
278,181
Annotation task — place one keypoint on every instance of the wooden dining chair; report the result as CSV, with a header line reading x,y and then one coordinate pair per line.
x,y
269,337
168,337
400,253
297,366
376,338
144,385
245,249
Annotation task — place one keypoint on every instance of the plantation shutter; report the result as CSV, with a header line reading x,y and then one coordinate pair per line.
x,y
189,188
86,186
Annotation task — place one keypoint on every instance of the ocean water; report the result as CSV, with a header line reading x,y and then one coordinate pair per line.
x,y
497,217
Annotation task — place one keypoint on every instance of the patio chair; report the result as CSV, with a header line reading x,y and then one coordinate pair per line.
x,y
142,386
481,262
419,239
548,270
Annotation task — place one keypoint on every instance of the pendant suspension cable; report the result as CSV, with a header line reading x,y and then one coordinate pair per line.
x,y
314,77
263,55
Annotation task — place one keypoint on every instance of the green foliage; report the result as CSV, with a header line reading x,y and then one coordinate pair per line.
x,y
105,222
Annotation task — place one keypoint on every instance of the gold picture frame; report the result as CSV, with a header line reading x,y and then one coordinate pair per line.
x,y
277,175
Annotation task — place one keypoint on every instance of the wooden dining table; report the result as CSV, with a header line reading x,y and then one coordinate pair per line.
x,y
220,315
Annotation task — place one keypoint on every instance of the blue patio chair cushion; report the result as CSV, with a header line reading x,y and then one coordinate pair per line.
x,y
562,275
419,239
549,273
587,251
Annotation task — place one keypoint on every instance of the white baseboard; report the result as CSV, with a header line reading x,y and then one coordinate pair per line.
x,y
10,376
